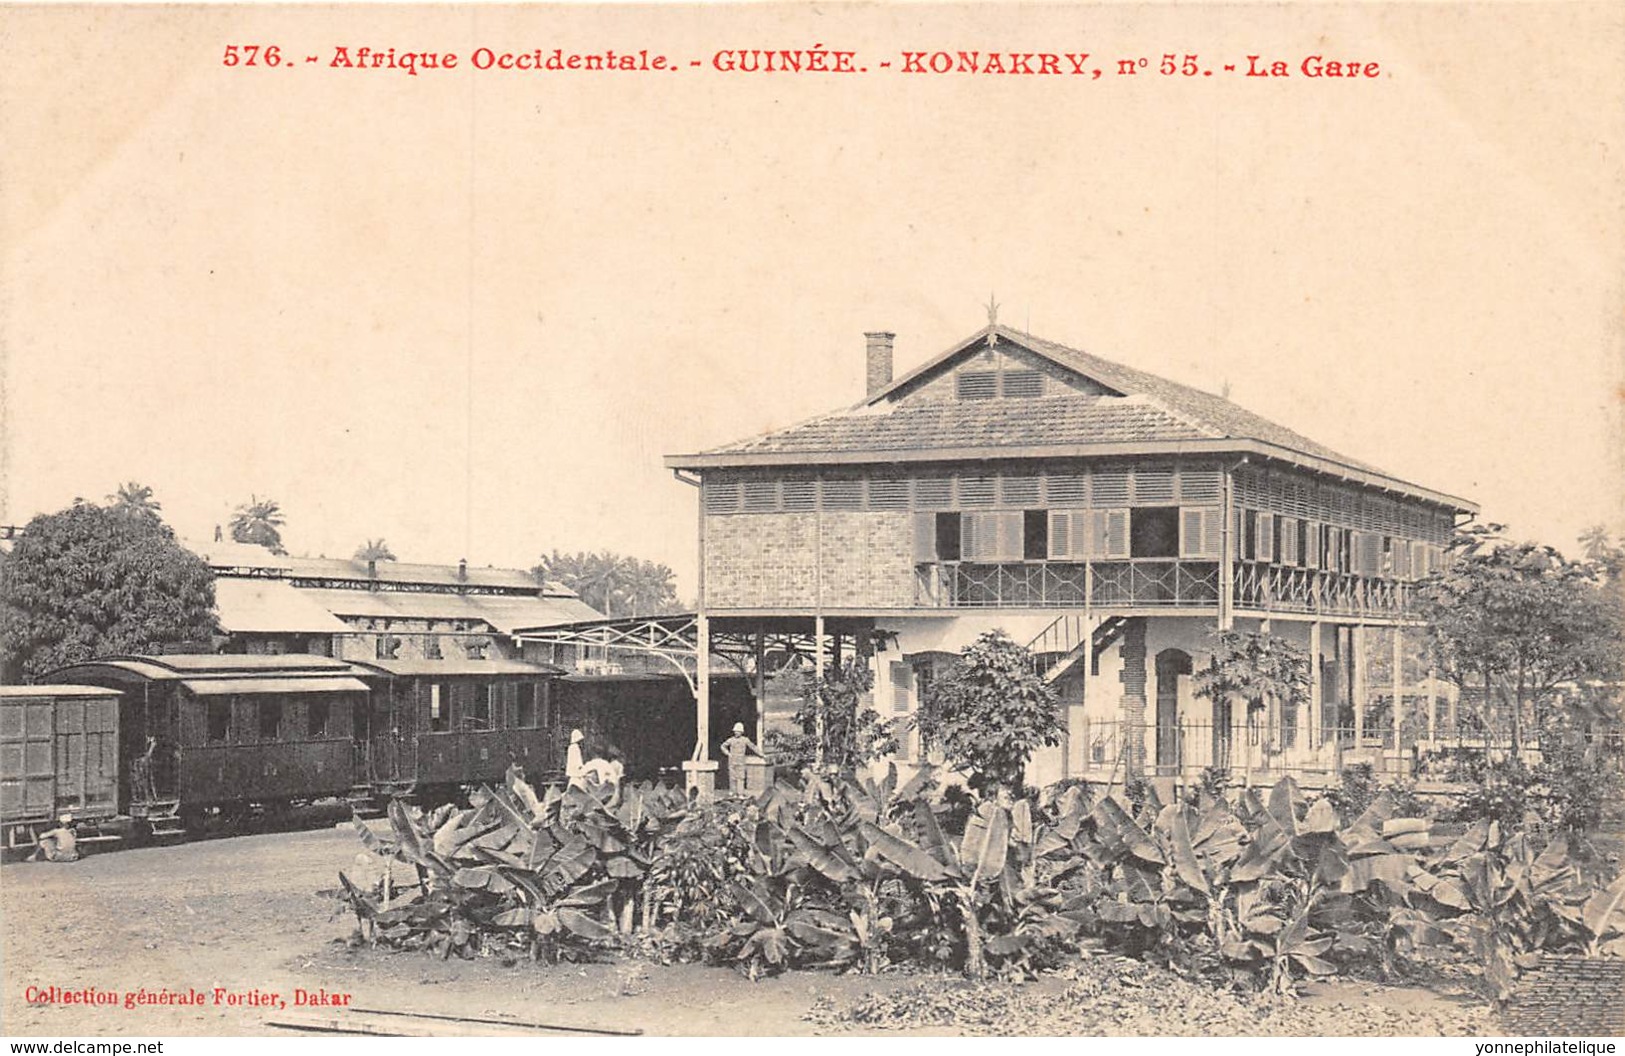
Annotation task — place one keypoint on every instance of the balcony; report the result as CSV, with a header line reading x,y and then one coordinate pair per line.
x,y
1139,583
1068,585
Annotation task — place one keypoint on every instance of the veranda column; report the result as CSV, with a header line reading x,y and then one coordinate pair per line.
x,y
1317,703
1357,680
1398,680
761,691
701,769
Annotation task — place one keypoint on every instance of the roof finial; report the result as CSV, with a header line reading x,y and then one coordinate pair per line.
x,y
992,311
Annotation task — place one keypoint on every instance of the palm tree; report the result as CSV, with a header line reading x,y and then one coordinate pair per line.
x,y
259,522
374,550
135,499
651,588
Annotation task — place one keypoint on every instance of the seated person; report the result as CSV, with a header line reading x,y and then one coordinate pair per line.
x,y
59,844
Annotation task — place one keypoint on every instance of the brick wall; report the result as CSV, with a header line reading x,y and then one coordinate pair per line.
x,y
768,560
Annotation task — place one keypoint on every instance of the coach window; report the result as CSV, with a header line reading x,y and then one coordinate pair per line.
x,y
219,720
479,711
316,716
270,719
437,713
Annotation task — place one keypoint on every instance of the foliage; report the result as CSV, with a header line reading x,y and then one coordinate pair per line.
x,y
859,873
1521,620
1578,780
990,713
137,500
1257,670
1357,789
92,581
259,522
374,550
834,713
613,584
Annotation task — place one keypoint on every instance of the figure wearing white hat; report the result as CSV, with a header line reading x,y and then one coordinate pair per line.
x,y
575,767
59,844
737,748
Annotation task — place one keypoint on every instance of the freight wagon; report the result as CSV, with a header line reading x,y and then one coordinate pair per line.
x,y
59,749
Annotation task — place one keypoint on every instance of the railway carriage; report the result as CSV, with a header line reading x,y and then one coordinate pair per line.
x,y
205,732
435,725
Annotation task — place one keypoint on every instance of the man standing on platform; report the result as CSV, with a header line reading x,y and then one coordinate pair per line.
x,y
737,748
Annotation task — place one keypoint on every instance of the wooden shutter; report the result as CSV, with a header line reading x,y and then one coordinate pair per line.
x,y
970,530
925,538
1060,535
1289,541
1115,541
1310,557
1265,546
902,685
1199,531
1009,531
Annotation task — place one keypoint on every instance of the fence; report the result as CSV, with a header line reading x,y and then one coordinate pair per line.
x,y
1185,749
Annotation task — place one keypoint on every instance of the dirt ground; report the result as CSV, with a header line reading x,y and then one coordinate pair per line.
x,y
239,922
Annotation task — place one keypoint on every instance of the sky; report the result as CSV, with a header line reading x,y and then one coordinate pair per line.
x,y
469,312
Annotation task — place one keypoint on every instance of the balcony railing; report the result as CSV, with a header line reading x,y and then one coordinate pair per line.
x,y
1065,584
1152,583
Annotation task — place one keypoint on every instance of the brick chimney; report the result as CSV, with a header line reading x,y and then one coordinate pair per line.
x,y
878,373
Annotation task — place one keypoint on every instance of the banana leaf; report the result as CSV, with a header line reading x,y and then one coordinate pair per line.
x,y
579,924
908,857
986,844
826,860
1604,912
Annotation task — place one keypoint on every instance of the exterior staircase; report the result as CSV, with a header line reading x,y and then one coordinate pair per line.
x,y
1071,637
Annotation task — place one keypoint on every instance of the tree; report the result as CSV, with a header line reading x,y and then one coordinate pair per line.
x,y
612,584
136,499
374,550
92,581
1261,671
846,732
991,712
259,522
1521,620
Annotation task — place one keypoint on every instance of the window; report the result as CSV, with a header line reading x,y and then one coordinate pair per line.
x,y
721,496
799,496
761,496
526,706
948,536
316,716
218,720
431,648
1264,534
1021,384
437,713
270,720
843,494
889,493
975,384
1154,531
1035,535
387,646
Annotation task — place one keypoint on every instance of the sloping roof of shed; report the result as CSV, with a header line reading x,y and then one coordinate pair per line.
x,y
503,612
225,554
270,606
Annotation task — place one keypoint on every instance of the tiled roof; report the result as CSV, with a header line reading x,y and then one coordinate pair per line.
x,y
1152,409
1213,412
1072,419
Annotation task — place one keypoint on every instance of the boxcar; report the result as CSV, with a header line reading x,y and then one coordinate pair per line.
x,y
205,732
434,725
58,755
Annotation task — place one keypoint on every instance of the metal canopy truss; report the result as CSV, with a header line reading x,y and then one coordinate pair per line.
x,y
675,638
688,641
